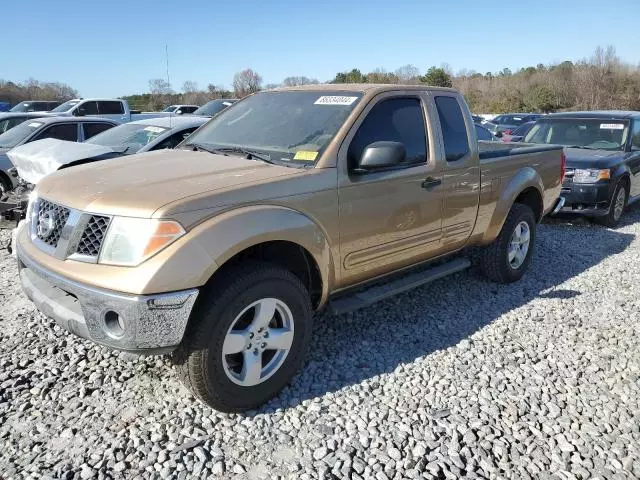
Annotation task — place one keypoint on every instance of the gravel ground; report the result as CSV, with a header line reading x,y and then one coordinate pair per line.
x,y
459,379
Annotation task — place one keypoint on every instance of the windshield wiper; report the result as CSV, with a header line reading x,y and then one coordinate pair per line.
x,y
249,153
200,147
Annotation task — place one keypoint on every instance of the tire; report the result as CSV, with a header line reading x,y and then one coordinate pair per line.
x,y
495,260
221,381
616,210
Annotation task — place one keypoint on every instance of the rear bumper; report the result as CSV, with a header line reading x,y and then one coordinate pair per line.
x,y
587,199
146,324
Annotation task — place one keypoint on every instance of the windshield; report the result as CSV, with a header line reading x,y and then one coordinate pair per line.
x,y
22,107
17,134
66,106
522,130
131,135
589,133
213,107
170,108
289,126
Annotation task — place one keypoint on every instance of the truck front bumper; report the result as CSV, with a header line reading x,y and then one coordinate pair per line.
x,y
145,324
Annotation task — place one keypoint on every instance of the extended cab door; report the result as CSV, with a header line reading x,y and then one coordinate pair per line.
x,y
389,218
460,170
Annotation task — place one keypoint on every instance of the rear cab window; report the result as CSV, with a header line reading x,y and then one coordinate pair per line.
x,y
88,108
110,108
393,119
454,129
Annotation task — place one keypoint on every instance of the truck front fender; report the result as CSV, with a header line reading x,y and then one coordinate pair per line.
x,y
212,243
524,179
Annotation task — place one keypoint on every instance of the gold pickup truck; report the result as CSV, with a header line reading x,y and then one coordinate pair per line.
x,y
288,202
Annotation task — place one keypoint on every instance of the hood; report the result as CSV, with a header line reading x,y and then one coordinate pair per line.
x,y
38,159
583,158
138,185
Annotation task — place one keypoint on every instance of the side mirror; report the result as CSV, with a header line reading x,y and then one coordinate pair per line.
x,y
78,112
379,155
178,112
499,134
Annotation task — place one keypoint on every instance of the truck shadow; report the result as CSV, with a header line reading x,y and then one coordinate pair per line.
x,y
351,348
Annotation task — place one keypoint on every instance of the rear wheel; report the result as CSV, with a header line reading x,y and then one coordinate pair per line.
x,y
616,206
509,256
249,339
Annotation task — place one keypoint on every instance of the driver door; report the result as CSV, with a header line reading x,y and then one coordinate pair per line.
x,y
392,218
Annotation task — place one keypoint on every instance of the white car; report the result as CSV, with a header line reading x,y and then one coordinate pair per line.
x,y
38,159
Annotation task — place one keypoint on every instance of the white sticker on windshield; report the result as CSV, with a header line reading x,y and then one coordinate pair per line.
x,y
154,129
335,100
612,126
228,104
34,124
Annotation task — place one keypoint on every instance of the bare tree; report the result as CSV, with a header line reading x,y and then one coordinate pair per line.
x,y
246,82
189,86
408,74
160,90
294,81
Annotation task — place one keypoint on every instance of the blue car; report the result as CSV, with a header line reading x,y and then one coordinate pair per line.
x,y
5,106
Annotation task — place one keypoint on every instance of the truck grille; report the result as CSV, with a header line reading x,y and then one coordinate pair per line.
x,y
93,235
51,220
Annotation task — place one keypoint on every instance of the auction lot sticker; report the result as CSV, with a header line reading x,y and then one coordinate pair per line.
x,y
335,100
611,126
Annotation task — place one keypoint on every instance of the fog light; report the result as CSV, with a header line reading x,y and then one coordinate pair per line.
x,y
114,324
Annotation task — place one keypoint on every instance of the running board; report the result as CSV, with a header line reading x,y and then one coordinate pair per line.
x,y
382,291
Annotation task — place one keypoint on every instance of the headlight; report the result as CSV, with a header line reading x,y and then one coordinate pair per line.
x,y
130,241
33,196
590,175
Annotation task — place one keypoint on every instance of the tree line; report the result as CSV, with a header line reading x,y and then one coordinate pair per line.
x,y
601,82
35,90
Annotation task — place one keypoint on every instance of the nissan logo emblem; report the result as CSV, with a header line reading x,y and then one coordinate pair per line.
x,y
46,224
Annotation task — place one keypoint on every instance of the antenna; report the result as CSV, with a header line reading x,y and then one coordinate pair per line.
x,y
166,54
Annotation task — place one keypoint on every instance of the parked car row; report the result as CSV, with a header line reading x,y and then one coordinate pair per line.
x,y
115,109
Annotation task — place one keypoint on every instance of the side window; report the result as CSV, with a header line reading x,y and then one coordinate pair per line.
x,y
110,108
189,109
635,135
62,131
454,130
396,120
483,133
88,108
174,140
91,129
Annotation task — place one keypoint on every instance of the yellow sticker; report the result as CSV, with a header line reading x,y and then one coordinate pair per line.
x,y
305,155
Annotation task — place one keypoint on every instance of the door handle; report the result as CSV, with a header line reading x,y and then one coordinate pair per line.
x,y
430,183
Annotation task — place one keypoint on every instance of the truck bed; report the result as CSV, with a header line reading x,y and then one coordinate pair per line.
x,y
490,150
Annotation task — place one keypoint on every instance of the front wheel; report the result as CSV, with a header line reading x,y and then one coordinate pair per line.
x,y
616,206
248,339
509,256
